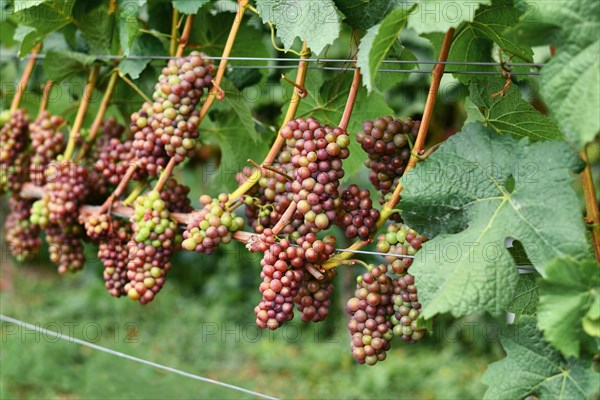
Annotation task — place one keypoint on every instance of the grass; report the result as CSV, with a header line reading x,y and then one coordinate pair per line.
x,y
194,331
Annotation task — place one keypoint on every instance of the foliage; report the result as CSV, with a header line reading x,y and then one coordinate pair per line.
x,y
500,196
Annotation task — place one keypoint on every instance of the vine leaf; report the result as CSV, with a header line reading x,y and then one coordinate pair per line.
x,y
376,44
508,113
474,41
319,22
363,14
37,21
524,302
143,45
567,294
234,102
533,367
189,6
96,25
439,16
326,101
475,191
60,64
128,24
569,82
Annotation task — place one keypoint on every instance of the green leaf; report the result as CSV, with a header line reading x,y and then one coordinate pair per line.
x,y
387,80
477,190
439,16
326,101
363,14
189,6
474,41
524,301
61,64
96,25
509,113
376,44
236,147
318,22
533,367
567,294
36,22
569,82
235,103
144,45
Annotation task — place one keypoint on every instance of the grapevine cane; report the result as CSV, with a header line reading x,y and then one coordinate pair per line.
x,y
100,115
174,28
389,207
591,204
24,79
83,107
45,97
291,112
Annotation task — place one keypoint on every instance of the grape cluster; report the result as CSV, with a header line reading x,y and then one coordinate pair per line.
x,y
65,247
314,296
67,188
97,226
114,255
387,142
400,240
316,153
212,225
13,137
280,283
168,127
114,159
155,238
47,142
407,309
357,215
370,312
175,196
22,236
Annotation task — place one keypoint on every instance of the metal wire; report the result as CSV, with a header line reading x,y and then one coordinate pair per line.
x,y
128,357
294,60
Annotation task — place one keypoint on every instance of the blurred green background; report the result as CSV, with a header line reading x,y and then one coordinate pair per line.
x,y
203,323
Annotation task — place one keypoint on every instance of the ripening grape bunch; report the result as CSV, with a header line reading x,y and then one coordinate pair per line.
x,y
118,191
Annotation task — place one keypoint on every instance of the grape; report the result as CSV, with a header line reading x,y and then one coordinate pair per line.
x,y
12,176
401,240
67,189
175,196
47,142
13,137
316,153
168,127
21,235
114,255
66,249
114,159
97,226
212,225
357,215
407,309
387,143
313,298
279,286
370,312
155,237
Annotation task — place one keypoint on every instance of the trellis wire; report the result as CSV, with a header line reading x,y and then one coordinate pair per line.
x,y
129,357
506,65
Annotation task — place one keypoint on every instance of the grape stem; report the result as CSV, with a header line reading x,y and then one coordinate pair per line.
x,y
174,32
83,107
100,115
388,208
120,189
139,188
591,204
45,97
283,221
351,99
185,36
279,141
237,22
134,87
22,86
165,174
